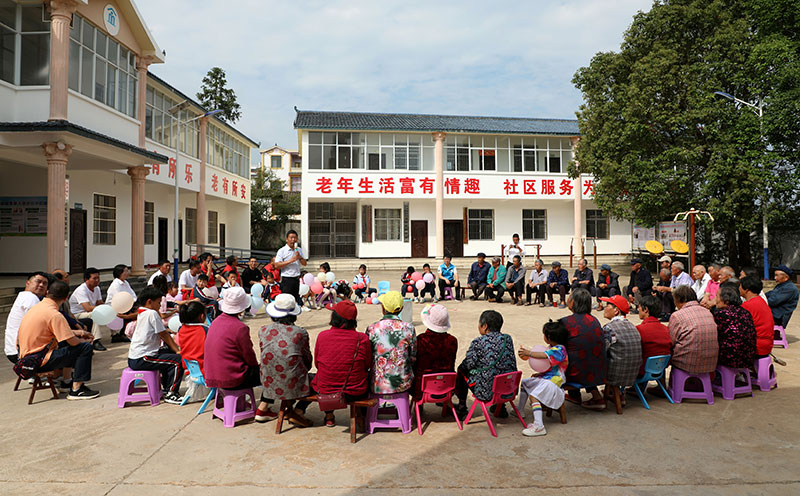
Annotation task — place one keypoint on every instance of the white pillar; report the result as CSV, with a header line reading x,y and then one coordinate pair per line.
x,y
438,141
578,212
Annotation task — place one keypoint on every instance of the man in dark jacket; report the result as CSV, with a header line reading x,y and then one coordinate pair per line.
x,y
783,299
557,283
583,278
607,284
477,276
640,284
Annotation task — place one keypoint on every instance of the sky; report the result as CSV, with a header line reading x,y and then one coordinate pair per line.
x,y
501,58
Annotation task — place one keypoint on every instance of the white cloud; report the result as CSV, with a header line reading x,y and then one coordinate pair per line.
x,y
466,57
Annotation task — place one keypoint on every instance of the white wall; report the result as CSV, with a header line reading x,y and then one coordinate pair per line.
x,y
24,104
102,118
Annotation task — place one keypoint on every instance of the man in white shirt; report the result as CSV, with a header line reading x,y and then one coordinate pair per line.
x,y
188,279
84,299
288,260
120,284
513,249
701,280
35,289
163,270
537,283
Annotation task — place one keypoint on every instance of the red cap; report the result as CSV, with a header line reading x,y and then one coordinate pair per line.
x,y
619,302
346,309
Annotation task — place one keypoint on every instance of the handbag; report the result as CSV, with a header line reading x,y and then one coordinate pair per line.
x,y
27,366
336,401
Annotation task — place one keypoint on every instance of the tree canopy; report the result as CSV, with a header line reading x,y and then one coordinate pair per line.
x,y
658,140
215,94
270,210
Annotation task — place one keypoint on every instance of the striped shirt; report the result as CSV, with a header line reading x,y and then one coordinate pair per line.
x,y
693,331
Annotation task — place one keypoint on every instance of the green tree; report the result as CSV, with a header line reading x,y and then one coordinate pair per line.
x,y
270,208
658,141
214,94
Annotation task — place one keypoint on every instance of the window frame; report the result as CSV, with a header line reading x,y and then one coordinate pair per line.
x,y
111,232
533,219
478,215
384,224
149,225
279,161
213,227
595,220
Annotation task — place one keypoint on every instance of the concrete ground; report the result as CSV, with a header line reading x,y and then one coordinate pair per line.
x,y
745,446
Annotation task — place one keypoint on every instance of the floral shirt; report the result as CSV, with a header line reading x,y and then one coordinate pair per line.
x,y
559,361
284,362
489,355
394,351
737,337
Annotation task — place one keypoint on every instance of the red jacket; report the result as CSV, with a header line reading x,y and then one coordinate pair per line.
x,y
272,291
193,340
333,354
655,339
228,352
436,352
765,325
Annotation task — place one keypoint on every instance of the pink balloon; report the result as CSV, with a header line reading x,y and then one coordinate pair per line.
x,y
316,288
420,284
428,278
416,276
539,364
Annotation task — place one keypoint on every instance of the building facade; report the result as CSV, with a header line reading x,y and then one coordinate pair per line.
x,y
402,185
88,141
286,165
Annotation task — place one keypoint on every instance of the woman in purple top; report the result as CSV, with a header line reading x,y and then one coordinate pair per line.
x,y
230,361
735,329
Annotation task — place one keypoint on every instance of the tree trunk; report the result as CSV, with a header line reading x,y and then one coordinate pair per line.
x,y
745,251
733,247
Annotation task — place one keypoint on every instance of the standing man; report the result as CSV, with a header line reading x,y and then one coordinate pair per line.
x,y
583,278
289,259
35,289
783,299
85,298
477,276
640,285
512,250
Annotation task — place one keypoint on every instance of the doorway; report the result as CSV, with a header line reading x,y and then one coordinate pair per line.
x,y
419,238
222,240
77,241
454,238
163,238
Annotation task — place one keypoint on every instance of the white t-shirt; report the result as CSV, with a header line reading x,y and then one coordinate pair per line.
x,y
145,340
286,253
83,295
25,300
700,286
187,279
512,250
158,273
119,286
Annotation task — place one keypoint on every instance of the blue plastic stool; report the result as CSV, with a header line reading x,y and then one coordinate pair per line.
x,y
654,369
197,376
383,287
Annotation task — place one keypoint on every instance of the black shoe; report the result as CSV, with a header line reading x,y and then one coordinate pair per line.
x,y
462,412
503,413
172,398
98,346
64,386
83,393
120,338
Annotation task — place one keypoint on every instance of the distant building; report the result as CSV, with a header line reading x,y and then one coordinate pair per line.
x,y
286,165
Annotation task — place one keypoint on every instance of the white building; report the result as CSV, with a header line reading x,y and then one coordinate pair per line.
x,y
82,122
285,164
401,185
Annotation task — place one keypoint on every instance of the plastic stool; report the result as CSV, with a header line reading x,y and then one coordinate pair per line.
x,y
448,292
678,378
234,405
728,387
782,341
401,403
765,373
131,392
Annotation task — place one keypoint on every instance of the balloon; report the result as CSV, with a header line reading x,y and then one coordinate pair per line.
x,y
330,277
212,292
321,277
308,279
428,278
261,310
420,284
116,324
539,364
304,288
122,302
257,289
316,288
256,303
103,314
416,276
179,296
174,323
368,301
376,301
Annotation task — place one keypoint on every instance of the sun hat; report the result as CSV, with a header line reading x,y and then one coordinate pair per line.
x,y
436,318
619,302
665,258
234,301
392,301
605,267
284,305
346,309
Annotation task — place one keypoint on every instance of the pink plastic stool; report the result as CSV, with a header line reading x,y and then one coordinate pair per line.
x,y
728,387
782,341
448,292
234,405
766,376
129,392
438,388
403,420
678,378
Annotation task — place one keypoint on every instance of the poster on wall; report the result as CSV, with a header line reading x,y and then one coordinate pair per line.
x,y
641,235
671,231
23,216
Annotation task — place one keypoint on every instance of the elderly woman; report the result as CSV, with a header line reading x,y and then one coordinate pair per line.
x,y
343,357
285,360
394,348
585,350
735,329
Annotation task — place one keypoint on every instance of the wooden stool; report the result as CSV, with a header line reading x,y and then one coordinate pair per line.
x,y
356,418
561,411
37,384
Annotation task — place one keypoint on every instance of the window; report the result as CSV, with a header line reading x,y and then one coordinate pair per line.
x,y
149,222
105,220
162,126
191,226
24,44
101,68
225,151
596,224
388,224
296,183
480,224
276,161
213,218
374,151
534,224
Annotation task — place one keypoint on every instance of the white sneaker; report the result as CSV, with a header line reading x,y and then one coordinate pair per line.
x,y
306,309
533,431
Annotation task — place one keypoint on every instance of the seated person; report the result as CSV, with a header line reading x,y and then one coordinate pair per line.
x,y
193,331
583,277
35,290
667,302
394,348
407,285
271,289
654,334
587,358
84,299
231,279
693,331
495,281
361,284
230,359
252,275
762,315
146,352
783,298
701,280
641,282
515,280
489,355
436,349
735,329
270,269
623,345
557,283
201,293
430,287
476,279
43,327
537,283
448,277
607,284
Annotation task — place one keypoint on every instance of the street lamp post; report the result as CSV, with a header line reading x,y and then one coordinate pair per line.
x,y
759,111
174,111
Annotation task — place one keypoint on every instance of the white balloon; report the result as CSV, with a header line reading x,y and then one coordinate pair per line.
x,y
304,289
321,277
122,302
211,292
174,323
330,277
103,314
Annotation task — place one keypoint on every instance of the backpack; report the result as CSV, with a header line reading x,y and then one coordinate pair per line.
x,y
27,366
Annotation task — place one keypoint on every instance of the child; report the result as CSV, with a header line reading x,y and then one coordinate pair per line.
x,y
407,284
362,279
436,349
430,287
232,281
200,294
193,331
272,289
146,353
545,387
327,290
309,297
270,269
343,291
173,297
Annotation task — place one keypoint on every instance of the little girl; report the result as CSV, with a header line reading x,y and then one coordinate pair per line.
x,y
362,279
327,290
407,284
272,289
430,287
310,297
545,387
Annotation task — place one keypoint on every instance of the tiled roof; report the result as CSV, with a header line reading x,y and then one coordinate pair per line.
x,y
311,119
